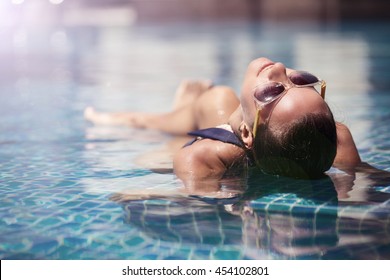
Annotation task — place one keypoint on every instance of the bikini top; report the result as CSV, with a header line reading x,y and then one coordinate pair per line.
x,y
215,133
220,134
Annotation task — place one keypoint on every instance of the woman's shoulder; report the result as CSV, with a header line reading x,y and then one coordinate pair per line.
x,y
347,153
200,160
210,155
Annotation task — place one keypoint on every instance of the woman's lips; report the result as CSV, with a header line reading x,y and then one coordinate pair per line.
x,y
265,65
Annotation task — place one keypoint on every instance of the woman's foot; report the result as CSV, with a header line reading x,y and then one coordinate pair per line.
x,y
132,119
96,117
188,91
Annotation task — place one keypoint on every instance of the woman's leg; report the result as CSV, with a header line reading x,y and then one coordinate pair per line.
x,y
176,121
189,91
196,106
215,107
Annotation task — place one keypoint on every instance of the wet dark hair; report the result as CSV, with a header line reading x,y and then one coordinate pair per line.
x,y
303,149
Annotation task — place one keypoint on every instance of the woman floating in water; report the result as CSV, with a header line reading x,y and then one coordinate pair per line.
x,y
281,124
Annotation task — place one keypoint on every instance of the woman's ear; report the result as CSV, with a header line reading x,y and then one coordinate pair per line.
x,y
246,135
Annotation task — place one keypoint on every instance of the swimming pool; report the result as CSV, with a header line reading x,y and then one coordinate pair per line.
x,y
70,190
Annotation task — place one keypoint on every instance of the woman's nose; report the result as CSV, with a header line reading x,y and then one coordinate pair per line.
x,y
278,73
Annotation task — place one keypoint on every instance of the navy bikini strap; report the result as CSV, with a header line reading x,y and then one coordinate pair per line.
x,y
216,133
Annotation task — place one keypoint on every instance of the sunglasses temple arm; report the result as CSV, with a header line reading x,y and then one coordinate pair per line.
x,y
323,89
256,123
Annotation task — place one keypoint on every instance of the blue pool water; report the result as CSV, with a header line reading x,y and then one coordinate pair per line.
x,y
71,190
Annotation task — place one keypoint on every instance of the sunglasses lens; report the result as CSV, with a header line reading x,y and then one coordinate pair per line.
x,y
303,78
269,92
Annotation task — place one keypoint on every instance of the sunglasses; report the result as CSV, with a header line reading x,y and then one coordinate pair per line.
x,y
266,94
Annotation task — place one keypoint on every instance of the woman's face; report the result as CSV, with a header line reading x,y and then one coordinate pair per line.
x,y
295,103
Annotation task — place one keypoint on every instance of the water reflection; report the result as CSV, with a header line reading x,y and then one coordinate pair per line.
x,y
273,218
